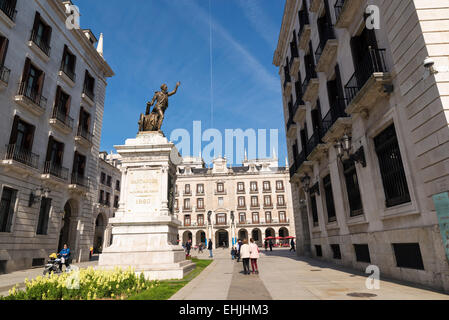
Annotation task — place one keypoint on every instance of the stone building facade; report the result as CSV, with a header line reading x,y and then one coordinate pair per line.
x,y
367,132
52,92
258,194
109,186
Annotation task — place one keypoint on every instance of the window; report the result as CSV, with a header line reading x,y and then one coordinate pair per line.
x,y
186,204
267,201
329,199
101,197
281,200
221,218
266,186
21,143
408,255
68,63
336,251
200,203
4,72
200,220
117,185
116,202
54,158
220,202
254,202
253,186
44,214
255,217
282,217
268,217
220,187
84,125
41,34
103,178
109,181
79,166
362,253
89,86
187,220
240,187
314,211
241,202
391,168
242,217
200,188
280,185
319,251
187,189
352,187
108,199
32,84
7,205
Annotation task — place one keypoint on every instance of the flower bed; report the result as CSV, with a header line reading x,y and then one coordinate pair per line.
x,y
86,284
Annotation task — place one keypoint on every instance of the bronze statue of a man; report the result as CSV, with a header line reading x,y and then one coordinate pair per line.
x,y
153,121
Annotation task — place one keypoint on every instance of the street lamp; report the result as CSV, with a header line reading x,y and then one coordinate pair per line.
x,y
306,183
344,147
38,195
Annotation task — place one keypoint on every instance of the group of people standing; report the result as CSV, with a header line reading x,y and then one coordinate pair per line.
x,y
248,253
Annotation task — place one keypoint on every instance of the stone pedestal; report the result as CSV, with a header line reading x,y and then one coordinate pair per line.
x,y
145,229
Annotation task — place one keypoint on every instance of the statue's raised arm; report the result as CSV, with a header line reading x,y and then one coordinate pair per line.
x,y
175,90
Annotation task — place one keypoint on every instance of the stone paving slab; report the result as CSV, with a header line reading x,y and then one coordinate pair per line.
x,y
247,287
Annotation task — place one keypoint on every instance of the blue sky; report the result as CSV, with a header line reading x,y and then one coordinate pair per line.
x,y
150,42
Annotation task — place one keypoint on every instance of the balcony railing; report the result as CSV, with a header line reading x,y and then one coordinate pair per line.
x,y
298,161
326,34
22,155
314,140
339,8
56,170
4,74
69,73
32,95
79,180
9,8
41,43
374,61
336,111
82,132
62,117
294,52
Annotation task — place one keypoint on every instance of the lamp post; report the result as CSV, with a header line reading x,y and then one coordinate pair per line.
x,y
344,147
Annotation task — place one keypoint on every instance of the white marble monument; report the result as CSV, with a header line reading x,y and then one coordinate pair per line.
x,y
145,229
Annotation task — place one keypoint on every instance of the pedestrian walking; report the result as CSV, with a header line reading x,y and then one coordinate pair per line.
x,y
209,247
271,245
188,248
292,244
234,253
254,255
239,246
246,255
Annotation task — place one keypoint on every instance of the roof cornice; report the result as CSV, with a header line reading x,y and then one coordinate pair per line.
x,y
289,13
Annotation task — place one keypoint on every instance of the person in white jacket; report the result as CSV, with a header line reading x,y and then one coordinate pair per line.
x,y
254,255
245,254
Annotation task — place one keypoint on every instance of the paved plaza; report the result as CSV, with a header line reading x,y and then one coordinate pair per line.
x,y
283,276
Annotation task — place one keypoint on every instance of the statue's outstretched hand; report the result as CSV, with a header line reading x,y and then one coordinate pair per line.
x,y
178,84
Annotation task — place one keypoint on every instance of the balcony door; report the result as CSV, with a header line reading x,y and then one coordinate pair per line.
x,y
33,81
79,164
360,50
55,153
317,119
22,135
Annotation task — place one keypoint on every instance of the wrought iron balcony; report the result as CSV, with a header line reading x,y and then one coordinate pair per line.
x,y
298,161
287,81
56,170
9,9
345,11
41,43
337,111
294,53
303,21
22,155
314,141
88,92
4,74
85,134
32,96
338,7
79,180
373,62
62,118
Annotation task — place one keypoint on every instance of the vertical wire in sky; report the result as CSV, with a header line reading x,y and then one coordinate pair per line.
x,y
211,67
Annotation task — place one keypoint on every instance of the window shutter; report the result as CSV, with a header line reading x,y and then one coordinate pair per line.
x,y
49,148
37,19
3,50
26,70
15,125
12,206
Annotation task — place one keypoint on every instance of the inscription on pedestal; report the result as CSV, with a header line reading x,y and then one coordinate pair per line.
x,y
143,194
